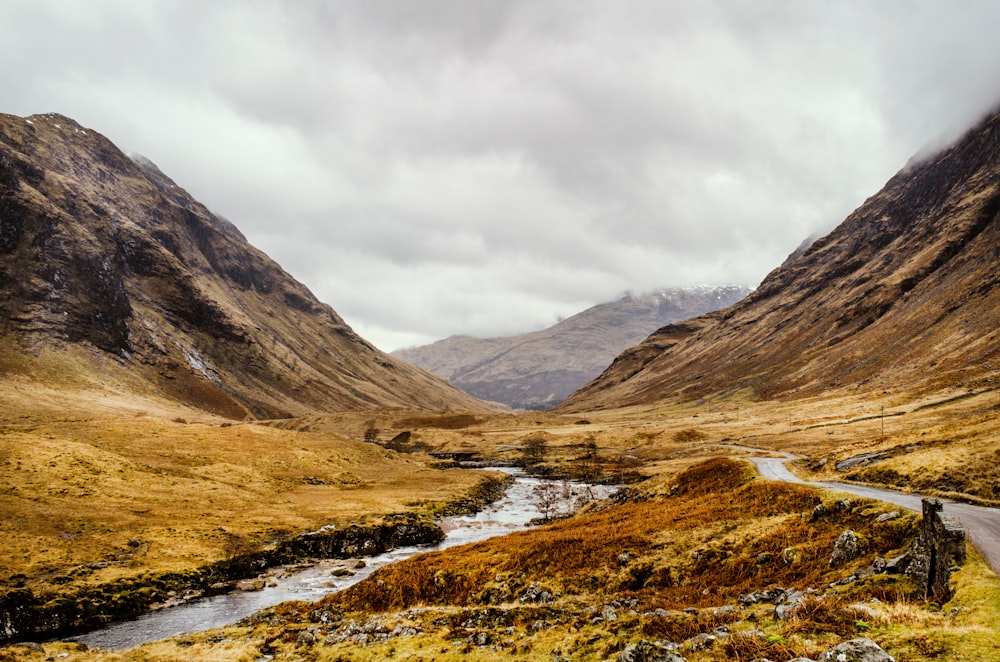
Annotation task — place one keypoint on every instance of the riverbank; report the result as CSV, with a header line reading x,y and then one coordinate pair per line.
x,y
25,614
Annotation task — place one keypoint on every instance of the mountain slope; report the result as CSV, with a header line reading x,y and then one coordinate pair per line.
x,y
112,275
538,370
902,296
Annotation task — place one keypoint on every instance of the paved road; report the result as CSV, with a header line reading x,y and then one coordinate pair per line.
x,y
982,525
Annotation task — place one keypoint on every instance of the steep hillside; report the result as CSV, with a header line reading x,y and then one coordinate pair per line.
x,y
901,297
538,370
113,277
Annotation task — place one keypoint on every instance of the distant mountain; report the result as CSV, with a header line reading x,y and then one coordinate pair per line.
x,y
902,297
538,370
111,274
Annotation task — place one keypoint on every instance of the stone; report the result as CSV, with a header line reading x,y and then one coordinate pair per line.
x,y
885,517
647,651
819,511
305,638
256,584
791,555
785,608
861,649
700,642
609,614
938,550
764,558
898,564
847,548
536,594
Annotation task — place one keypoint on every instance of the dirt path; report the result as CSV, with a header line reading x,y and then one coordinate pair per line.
x,y
982,524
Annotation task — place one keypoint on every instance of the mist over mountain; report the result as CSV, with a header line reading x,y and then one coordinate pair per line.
x,y
113,277
538,370
902,296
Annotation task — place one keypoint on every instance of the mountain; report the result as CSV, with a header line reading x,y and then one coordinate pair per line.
x,y
538,370
902,297
113,277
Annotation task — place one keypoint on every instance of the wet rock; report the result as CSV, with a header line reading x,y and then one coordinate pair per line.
x,y
647,651
847,548
856,650
256,584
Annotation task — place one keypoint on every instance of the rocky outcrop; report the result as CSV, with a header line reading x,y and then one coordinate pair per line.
x,y
938,551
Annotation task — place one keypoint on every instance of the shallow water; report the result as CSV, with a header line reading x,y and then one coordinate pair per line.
x,y
511,513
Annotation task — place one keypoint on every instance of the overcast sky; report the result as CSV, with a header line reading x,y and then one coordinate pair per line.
x,y
482,167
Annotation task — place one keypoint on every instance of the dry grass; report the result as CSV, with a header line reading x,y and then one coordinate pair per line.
x,y
708,531
144,494
722,534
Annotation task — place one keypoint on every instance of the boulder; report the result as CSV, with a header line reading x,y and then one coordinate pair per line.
x,y
847,548
861,649
647,651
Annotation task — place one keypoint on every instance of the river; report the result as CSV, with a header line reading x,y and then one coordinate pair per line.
x,y
511,513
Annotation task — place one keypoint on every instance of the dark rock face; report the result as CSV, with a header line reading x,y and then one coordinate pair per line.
x,y
938,551
106,254
902,294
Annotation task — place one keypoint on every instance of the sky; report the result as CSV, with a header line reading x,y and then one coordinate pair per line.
x,y
488,167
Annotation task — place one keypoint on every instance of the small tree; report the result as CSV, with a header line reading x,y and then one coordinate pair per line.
x,y
546,497
371,432
533,451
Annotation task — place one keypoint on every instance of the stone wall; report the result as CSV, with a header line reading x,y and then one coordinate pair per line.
x,y
938,551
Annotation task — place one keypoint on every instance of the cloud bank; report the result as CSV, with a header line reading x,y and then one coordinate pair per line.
x,y
474,167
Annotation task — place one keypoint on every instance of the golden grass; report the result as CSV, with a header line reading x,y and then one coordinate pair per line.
x,y
706,533
143,494
696,538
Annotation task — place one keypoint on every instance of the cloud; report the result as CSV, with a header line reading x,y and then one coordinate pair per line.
x,y
440,167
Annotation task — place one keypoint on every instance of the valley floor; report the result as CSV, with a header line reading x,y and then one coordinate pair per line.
x,y
671,562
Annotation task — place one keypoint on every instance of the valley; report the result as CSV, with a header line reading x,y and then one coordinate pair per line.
x,y
179,417
693,461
